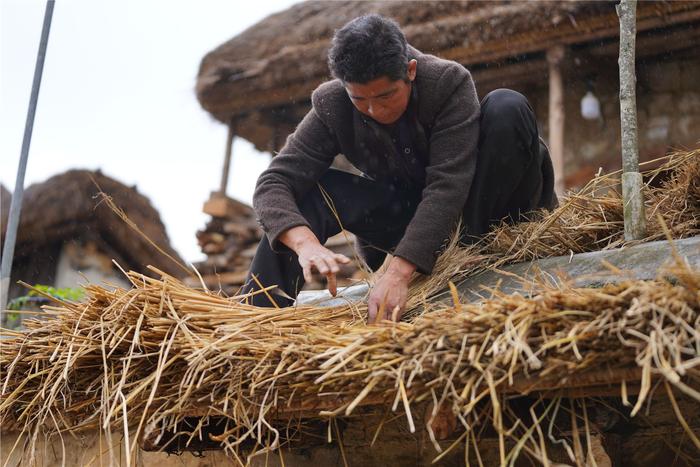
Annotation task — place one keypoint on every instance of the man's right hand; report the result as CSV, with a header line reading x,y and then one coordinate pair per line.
x,y
314,256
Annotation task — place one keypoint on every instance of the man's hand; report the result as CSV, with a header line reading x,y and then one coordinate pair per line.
x,y
314,256
390,292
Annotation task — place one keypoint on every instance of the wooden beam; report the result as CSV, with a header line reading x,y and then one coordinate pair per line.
x,y
593,383
555,56
649,43
588,58
227,157
586,30
505,74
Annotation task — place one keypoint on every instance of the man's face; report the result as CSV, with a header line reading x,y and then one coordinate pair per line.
x,y
382,99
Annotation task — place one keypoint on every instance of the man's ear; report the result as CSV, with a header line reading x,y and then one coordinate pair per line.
x,y
411,72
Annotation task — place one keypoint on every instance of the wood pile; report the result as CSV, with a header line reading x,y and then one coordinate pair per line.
x,y
230,240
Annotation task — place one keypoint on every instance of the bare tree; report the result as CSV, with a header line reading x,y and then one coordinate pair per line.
x,y
635,222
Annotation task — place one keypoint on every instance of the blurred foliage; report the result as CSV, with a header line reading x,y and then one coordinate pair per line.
x,y
65,293
37,297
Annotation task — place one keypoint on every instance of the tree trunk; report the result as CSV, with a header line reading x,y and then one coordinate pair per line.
x,y
633,200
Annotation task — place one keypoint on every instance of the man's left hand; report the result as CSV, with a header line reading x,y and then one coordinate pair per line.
x,y
390,292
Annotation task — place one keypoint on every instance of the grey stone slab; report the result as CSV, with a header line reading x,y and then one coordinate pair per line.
x,y
585,269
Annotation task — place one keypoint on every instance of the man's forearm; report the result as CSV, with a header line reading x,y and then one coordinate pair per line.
x,y
401,268
295,238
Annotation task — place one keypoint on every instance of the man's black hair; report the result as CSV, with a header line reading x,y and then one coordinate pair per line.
x,y
368,48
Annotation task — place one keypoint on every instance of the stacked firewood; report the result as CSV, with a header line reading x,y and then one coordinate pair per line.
x,y
230,240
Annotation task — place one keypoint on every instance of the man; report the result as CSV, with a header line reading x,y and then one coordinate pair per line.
x,y
429,152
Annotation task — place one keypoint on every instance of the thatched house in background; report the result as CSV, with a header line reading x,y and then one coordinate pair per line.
x,y
259,82
65,233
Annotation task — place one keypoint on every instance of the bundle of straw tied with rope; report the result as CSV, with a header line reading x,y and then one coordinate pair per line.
x,y
146,361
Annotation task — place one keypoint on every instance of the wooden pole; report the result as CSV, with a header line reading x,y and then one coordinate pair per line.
x,y
633,200
227,157
274,140
8,249
555,55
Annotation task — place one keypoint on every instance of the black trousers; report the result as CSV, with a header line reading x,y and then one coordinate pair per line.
x,y
513,176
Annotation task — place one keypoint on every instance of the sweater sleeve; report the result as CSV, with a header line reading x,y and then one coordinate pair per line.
x,y
308,152
449,174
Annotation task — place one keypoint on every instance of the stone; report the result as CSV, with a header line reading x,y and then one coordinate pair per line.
x,y
657,128
689,102
662,76
658,104
585,269
592,150
689,128
689,73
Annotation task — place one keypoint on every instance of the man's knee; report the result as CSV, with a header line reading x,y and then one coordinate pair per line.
x,y
504,98
505,107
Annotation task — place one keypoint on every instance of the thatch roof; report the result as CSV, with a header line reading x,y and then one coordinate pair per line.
x,y
263,76
66,207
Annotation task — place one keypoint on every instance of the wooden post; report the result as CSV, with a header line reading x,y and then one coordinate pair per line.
x,y
633,200
555,55
274,140
227,157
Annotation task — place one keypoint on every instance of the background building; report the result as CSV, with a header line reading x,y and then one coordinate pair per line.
x,y
561,55
68,236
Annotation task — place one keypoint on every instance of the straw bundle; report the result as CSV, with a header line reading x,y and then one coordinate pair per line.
x,y
588,220
592,219
141,360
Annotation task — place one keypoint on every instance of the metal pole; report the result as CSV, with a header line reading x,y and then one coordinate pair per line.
x,y
16,204
632,197
227,157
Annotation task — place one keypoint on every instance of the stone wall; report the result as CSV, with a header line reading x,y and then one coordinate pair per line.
x,y
668,103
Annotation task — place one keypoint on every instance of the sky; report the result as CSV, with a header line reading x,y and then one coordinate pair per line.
x,y
117,94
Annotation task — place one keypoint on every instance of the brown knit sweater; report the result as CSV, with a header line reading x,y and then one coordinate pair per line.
x,y
447,109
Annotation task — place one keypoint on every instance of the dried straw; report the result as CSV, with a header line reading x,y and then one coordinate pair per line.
x,y
588,220
141,360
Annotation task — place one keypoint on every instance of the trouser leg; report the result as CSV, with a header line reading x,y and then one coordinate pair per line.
x,y
377,214
268,268
513,172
